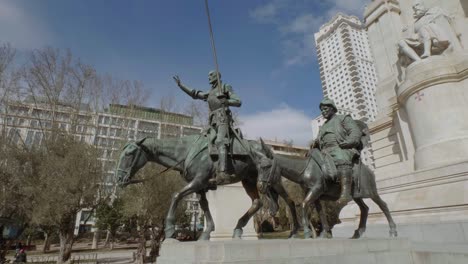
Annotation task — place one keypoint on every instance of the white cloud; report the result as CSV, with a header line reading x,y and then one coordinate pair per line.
x,y
299,43
265,13
298,27
22,30
303,24
349,7
281,123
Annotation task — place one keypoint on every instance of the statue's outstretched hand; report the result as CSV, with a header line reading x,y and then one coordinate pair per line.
x,y
177,80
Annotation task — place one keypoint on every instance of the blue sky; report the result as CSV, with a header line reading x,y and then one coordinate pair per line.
x,y
265,49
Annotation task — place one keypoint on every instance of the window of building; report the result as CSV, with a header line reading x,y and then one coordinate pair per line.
x,y
37,138
29,138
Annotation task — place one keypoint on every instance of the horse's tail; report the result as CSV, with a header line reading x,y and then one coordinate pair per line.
x,y
272,201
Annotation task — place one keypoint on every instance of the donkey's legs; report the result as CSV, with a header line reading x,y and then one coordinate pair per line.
x,y
251,189
383,206
193,186
310,198
210,226
363,219
292,208
326,233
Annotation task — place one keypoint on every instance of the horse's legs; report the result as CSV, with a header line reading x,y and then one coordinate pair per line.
x,y
383,206
251,189
210,226
292,208
326,233
363,219
311,196
193,186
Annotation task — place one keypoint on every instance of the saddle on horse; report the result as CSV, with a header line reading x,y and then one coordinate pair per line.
x,y
238,146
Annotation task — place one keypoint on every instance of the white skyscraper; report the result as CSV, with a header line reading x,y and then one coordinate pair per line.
x,y
346,66
347,71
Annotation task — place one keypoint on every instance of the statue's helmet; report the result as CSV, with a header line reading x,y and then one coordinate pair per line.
x,y
213,76
329,102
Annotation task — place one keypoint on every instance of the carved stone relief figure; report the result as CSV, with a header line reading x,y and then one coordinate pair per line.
x,y
431,34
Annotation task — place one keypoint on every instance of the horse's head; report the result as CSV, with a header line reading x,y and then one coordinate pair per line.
x,y
133,157
268,172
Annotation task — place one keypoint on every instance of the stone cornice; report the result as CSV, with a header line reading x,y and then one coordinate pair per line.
x,y
448,173
432,72
380,124
334,24
378,8
394,106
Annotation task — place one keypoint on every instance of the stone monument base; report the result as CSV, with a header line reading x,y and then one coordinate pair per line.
x,y
227,204
275,251
427,205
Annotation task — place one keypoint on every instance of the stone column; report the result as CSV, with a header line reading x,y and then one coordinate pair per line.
x,y
435,96
227,204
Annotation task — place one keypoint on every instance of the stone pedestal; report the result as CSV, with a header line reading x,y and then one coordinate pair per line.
x,y
282,251
227,204
420,137
435,96
313,251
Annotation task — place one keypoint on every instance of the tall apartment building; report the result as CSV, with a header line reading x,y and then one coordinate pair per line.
x,y
29,121
347,70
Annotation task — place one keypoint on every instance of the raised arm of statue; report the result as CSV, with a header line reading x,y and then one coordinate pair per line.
x,y
195,94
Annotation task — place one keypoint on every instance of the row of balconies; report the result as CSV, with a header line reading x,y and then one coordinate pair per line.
x,y
357,87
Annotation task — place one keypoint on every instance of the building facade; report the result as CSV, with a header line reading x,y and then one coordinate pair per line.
x,y
284,148
30,121
118,124
346,66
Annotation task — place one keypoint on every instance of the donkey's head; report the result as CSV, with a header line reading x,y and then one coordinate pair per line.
x,y
133,157
268,173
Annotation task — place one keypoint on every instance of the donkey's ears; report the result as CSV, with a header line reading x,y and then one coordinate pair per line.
x,y
140,141
266,149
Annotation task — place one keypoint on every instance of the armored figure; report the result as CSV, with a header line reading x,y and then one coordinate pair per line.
x,y
220,97
339,139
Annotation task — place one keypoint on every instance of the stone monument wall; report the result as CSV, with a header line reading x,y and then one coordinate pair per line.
x,y
420,136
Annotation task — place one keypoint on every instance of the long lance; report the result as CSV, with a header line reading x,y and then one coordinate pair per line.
x,y
213,47
220,86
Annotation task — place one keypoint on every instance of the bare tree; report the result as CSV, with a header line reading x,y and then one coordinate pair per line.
x,y
61,90
124,92
9,78
168,103
148,204
199,111
12,193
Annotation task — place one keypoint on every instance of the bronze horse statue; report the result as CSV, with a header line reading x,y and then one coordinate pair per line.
x,y
308,174
191,157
